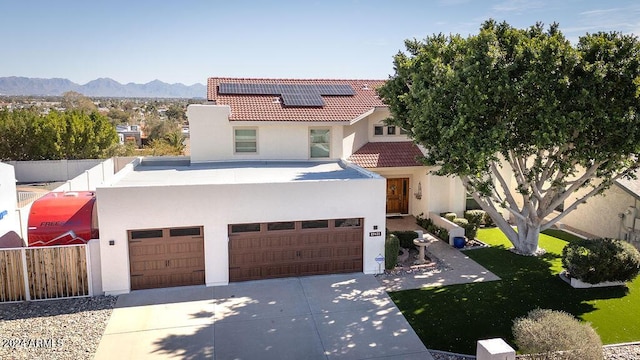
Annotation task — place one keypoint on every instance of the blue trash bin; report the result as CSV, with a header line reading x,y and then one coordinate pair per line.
x,y
458,242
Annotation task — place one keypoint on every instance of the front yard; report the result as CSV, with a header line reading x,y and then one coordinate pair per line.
x,y
453,318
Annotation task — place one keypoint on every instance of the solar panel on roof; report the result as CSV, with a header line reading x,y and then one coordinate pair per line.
x,y
310,100
248,89
335,89
277,89
292,94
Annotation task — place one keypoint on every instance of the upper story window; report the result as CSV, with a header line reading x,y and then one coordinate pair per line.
x,y
245,140
403,131
391,130
320,143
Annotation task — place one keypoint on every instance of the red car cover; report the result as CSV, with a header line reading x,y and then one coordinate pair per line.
x,y
63,218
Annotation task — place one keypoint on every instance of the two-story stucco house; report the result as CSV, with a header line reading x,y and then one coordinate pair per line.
x,y
335,125
286,178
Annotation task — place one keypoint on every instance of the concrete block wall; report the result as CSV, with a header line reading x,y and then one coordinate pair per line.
x,y
494,349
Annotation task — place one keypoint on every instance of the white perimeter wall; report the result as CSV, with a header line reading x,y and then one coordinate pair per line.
x,y
89,179
212,137
216,206
8,201
52,170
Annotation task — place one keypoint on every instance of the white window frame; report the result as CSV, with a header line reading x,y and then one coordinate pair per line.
x,y
235,145
311,142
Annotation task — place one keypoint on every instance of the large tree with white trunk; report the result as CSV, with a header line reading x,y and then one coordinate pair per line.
x,y
526,119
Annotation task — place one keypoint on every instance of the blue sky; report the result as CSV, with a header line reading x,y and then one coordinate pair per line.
x,y
188,41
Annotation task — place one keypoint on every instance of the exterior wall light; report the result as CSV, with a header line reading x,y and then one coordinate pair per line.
x,y
418,194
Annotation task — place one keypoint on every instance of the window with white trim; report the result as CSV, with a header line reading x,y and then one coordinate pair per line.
x,y
245,140
320,143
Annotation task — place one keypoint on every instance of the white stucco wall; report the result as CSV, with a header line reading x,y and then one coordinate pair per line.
x,y
355,136
445,194
9,220
216,206
212,137
599,215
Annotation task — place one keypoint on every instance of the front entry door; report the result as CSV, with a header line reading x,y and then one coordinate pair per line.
x,y
398,196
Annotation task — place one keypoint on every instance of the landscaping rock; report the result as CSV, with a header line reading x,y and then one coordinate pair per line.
x,y
54,329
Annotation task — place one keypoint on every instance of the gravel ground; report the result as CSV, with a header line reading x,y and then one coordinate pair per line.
x,y
622,352
54,329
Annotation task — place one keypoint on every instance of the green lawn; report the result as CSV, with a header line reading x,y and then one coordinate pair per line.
x,y
453,318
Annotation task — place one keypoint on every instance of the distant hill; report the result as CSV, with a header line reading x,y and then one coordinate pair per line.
x,y
14,85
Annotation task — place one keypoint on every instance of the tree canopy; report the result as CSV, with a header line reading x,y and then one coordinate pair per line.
x,y
75,100
562,118
74,134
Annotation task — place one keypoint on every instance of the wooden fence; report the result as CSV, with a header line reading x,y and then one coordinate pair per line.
x,y
41,273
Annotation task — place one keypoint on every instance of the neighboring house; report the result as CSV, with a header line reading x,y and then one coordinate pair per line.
x,y
615,214
273,188
129,133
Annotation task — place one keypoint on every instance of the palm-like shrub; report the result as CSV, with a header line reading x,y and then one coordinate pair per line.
x,y
600,260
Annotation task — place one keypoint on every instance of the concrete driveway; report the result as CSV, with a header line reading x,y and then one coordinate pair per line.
x,y
319,317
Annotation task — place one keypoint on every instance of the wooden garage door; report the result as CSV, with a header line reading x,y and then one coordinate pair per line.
x,y
296,248
166,257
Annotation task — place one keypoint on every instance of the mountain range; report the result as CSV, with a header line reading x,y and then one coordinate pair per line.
x,y
102,87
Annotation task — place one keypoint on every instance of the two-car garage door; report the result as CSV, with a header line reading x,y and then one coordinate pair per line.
x,y
175,256
294,248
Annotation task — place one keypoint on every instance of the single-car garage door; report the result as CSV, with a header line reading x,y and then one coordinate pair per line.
x,y
166,257
294,248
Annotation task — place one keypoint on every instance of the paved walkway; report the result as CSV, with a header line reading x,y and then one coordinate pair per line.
x,y
459,268
346,316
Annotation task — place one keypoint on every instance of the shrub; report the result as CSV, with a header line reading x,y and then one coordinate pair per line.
x,y
432,228
556,335
391,250
475,217
598,260
470,229
423,222
441,233
488,220
406,238
450,216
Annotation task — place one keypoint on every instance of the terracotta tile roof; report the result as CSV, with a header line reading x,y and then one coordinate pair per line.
x,y
387,154
264,108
